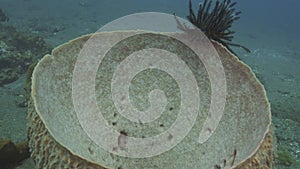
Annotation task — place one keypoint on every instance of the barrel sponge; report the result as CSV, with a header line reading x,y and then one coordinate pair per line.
x,y
46,152
243,140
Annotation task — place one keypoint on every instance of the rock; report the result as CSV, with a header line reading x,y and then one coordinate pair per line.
x,y
12,153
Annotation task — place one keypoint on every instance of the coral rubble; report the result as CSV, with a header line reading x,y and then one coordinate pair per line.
x,y
17,51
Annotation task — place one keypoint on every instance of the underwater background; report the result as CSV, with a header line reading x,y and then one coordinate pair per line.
x,y
270,29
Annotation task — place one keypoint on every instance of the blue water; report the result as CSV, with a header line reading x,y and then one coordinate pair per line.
x,y
273,17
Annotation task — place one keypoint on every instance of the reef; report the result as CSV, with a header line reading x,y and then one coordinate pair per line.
x,y
23,41
216,22
17,51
